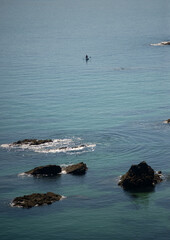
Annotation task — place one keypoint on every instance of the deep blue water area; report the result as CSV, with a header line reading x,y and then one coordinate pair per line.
x,y
114,105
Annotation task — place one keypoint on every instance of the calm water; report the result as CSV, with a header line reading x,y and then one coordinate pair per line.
x,y
115,104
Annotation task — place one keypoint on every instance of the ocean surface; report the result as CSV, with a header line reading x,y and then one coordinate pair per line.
x,y
108,112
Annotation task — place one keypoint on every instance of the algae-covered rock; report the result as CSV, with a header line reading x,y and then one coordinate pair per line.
x,y
76,169
139,177
48,170
32,141
35,199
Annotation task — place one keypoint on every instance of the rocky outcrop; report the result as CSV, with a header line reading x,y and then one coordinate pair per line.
x,y
48,170
35,199
76,169
53,170
32,141
139,176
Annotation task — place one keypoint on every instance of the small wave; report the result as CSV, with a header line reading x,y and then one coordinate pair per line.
x,y
5,145
166,121
24,175
156,44
63,172
66,140
65,149
13,205
162,176
63,197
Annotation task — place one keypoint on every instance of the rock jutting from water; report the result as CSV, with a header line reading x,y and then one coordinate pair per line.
x,y
32,141
35,199
54,170
48,170
76,169
139,176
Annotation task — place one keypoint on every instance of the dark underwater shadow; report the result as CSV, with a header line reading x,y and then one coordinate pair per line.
x,y
140,198
46,178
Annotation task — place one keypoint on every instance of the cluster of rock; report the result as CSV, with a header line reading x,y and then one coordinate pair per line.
x,y
36,199
139,177
53,170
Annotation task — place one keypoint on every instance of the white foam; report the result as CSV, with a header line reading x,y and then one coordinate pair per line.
x,y
66,140
165,43
24,175
63,197
66,145
156,44
5,145
91,145
119,179
65,149
13,205
160,44
63,172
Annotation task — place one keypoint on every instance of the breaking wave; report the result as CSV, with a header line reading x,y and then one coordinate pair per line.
x,y
69,146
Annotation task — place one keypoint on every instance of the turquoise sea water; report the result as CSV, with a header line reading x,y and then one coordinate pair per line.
x,y
115,104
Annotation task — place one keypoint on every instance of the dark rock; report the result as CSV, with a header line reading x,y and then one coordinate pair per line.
x,y
75,147
48,170
76,169
81,146
165,43
32,141
35,199
139,177
62,148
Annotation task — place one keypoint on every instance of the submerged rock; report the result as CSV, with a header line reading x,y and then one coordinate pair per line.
x,y
73,148
35,199
32,141
139,177
48,170
76,169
